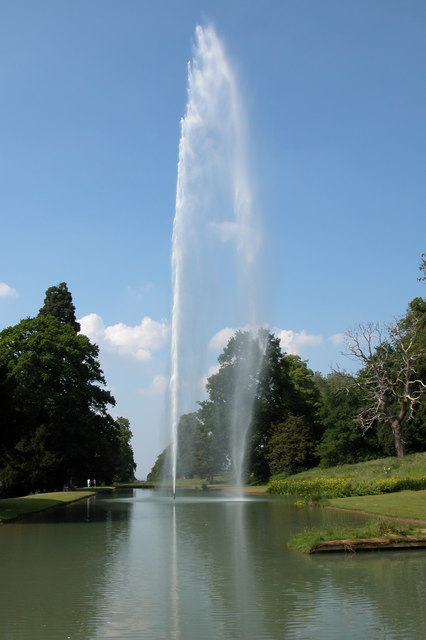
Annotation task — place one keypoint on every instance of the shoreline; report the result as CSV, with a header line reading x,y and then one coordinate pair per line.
x,y
13,509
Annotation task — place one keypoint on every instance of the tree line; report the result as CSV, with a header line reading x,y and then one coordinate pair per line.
x,y
55,426
300,418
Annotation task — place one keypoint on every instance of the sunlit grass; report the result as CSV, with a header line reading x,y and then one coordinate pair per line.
x,y
11,508
137,484
308,539
403,504
374,477
410,466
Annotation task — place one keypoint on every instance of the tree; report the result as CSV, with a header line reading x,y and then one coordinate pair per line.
x,y
286,390
58,303
157,471
291,447
389,380
414,428
58,425
256,389
342,442
227,415
125,466
274,395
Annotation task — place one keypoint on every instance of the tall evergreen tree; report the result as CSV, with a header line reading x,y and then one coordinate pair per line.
x,y
59,426
54,421
58,303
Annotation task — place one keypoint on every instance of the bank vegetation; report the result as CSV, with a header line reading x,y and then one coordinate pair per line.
x,y
302,419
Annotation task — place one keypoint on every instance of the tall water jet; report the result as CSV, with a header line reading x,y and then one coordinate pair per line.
x,y
215,236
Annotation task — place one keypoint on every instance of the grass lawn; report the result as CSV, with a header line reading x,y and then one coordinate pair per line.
x,y
403,504
11,508
376,534
406,505
410,466
137,484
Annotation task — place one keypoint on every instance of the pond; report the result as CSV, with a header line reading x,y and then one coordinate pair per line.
x,y
137,565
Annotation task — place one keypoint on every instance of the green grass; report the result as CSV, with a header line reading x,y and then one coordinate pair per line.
x,y
221,483
11,508
99,489
404,504
137,484
392,487
411,466
308,539
373,477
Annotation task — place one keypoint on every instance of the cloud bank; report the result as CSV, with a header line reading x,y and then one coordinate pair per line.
x,y
139,342
294,342
221,339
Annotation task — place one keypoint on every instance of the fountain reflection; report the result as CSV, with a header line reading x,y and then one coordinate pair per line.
x,y
145,566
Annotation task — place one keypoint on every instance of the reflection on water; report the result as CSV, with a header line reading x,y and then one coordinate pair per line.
x,y
143,566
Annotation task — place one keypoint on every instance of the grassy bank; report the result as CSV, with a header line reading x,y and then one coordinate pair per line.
x,y
374,477
404,504
411,466
389,487
12,508
137,484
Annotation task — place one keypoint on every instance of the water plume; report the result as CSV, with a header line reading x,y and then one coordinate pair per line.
x,y
215,235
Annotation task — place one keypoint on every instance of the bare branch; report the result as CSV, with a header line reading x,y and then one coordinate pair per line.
x,y
388,378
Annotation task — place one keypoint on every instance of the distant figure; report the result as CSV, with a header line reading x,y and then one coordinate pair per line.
x,y
93,483
88,482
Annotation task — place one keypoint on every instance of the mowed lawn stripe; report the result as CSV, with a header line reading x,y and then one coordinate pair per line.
x,y
402,504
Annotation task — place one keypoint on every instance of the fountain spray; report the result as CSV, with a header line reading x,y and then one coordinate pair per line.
x,y
214,226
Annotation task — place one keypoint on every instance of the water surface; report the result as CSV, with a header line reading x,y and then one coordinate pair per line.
x,y
139,566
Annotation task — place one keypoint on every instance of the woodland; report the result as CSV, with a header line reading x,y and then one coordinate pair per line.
x,y
302,419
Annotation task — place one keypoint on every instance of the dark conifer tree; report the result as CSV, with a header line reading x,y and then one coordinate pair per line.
x,y
58,303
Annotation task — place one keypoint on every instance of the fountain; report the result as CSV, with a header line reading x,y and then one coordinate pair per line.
x,y
215,236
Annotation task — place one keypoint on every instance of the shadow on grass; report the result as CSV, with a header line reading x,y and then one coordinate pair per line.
x,y
13,508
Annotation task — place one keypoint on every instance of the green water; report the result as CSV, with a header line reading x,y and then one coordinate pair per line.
x,y
140,566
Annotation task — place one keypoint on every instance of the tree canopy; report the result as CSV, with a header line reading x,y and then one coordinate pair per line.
x,y
391,379
296,418
257,393
56,428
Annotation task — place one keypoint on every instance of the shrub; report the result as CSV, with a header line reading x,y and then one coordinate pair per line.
x,y
308,489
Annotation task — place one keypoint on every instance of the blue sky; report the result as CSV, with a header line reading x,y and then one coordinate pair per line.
x,y
92,94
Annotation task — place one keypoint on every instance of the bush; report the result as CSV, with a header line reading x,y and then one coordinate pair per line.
x,y
308,489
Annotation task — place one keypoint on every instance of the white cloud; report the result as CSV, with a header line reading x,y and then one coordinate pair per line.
x,y
337,339
92,327
7,292
158,386
138,342
221,339
212,370
293,342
